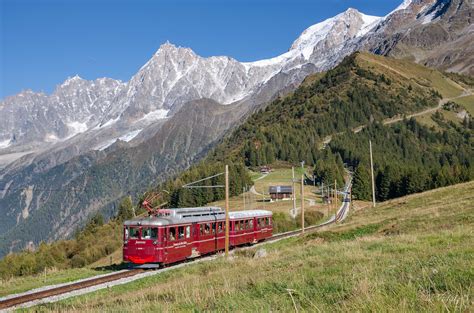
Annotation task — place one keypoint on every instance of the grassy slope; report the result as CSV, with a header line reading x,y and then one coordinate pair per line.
x,y
409,254
449,86
281,174
467,102
418,74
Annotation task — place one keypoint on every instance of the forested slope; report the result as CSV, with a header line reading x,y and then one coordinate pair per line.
x,y
364,90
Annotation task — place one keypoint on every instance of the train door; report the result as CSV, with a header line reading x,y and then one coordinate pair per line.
x,y
131,236
220,235
259,226
207,237
177,247
149,238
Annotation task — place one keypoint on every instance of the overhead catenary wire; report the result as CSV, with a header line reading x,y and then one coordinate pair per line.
x,y
191,185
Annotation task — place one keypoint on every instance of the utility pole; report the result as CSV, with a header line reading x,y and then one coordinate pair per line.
x,y
227,211
243,195
372,174
352,202
335,200
322,191
302,204
329,201
294,191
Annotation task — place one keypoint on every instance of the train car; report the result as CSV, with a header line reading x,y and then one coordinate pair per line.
x,y
173,235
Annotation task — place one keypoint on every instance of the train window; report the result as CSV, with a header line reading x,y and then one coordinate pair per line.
x,y
146,233
207,229
149,233
251,224
133,232
220,227
125,233
172,234
188,231
180,232
269,221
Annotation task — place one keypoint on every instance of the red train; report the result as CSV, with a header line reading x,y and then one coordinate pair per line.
x,y
174,235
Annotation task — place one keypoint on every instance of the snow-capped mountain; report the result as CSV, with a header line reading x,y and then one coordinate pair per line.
x,y
172,111
72,108
437,33
176,75
172,77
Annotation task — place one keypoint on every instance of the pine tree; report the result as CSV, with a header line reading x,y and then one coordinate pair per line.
x,y
361,189
383,184
125,210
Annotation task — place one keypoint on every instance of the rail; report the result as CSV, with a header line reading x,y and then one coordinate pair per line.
x,y
12,301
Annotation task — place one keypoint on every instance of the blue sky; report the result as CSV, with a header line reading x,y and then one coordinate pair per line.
x,y
42,42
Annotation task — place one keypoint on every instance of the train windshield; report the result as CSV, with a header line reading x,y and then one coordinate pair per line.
x,y
149,233
131,233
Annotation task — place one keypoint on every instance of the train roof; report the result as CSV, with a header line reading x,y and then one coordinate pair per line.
x,y
249,213
192,215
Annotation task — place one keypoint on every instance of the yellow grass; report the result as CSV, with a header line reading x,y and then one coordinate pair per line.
x,y
412,254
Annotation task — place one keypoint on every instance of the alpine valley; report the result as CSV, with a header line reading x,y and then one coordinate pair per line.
x,y
79,150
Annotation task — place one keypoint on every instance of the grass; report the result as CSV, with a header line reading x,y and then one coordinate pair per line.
x,y
417,74
281,175
409,254
49,277
427,119
467,102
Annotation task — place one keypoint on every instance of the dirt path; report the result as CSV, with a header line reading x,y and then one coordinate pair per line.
x,y
441,102
399,118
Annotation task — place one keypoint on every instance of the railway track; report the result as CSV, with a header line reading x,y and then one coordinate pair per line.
x,y
4,304
14,301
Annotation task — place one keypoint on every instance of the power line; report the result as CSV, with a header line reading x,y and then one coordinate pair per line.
x,y
191,185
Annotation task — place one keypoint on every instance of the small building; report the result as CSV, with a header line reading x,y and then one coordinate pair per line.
x,y
265,169
327,199
280,192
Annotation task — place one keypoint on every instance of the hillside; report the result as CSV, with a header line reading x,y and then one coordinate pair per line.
x,y
430,32
364,90
70,193
104,139
412,253
369,94
362,93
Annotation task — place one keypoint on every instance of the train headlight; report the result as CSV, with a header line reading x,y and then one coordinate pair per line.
x,y
125,242
155,242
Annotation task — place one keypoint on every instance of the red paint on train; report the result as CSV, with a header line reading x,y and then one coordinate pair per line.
x,y
179,234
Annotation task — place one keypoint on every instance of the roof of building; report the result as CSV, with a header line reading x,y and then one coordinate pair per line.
x,y
280,189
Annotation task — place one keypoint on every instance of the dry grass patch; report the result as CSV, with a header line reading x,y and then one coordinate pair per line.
x,y
425,265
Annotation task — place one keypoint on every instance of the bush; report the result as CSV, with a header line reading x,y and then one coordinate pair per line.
x,y
78,261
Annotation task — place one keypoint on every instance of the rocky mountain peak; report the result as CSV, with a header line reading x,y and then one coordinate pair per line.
x,y
344,26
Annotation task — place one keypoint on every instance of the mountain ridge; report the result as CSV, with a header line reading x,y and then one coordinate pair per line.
x,y
136,121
